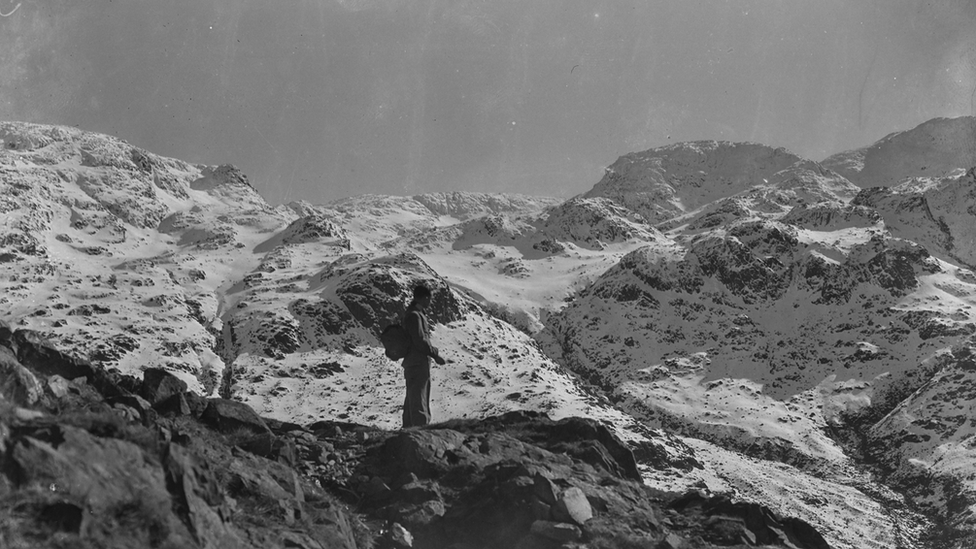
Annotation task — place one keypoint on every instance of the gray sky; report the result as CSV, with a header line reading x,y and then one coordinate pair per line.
x,y
321,99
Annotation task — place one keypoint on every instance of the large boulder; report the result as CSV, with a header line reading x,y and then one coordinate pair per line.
x,y
230,417
158,385
17,384
34,351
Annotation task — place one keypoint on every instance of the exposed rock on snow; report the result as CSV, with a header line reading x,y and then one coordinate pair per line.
x,y
464,206
594,222
939,214
832,216
668,181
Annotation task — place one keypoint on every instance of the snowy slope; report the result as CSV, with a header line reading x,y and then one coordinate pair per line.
x,y
121,255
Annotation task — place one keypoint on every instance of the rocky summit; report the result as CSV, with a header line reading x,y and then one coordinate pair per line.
x,y
721,344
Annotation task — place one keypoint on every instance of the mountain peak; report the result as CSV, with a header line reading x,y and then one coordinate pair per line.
x,y
935,148
664,182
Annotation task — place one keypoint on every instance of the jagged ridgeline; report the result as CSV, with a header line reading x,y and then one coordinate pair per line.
x,y
790,340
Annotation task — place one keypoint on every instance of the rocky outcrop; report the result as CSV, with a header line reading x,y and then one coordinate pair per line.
x,y
935,148
378,293
593,222
77,469
310,228
218,476
495,229
522,480
798,186
831,216
467,205
935,213
668,181
368,295
734,290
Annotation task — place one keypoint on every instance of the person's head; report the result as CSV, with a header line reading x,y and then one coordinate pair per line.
x,y
421,295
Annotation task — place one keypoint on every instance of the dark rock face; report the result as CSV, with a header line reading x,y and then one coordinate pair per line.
x,y
935,213
106,481
226,174
17,384
936,146
31,349
831,216
759,261
748,261
724,211
228,416
373,298
312,228
494,229
590,222
747,523
667,181
522,480
282,337
159,385
117,475
321,318
378,292
23,244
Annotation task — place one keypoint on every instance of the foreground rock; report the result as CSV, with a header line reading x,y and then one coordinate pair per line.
x,y
91,463
522,480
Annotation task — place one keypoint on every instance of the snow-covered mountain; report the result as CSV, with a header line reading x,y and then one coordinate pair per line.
x,y
936,149
749,321
664,182
935,212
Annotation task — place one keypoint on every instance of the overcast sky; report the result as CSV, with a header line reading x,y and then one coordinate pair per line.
x,y
320,99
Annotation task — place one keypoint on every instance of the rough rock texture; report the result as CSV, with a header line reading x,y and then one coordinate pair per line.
x,y
668,181
832,216
521,480
936,213
77,471
468,205
592,222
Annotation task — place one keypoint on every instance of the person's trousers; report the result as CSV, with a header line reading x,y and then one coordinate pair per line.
x,y
416,404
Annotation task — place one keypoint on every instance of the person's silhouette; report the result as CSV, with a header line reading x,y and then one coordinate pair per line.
x,y
416,365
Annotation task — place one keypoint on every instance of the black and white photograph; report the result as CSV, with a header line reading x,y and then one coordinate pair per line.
x,y
471,274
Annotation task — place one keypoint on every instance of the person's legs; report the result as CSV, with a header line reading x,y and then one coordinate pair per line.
x,y
407,422
416,403
424,400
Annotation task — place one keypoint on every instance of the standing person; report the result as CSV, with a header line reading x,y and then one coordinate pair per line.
x,y
416,365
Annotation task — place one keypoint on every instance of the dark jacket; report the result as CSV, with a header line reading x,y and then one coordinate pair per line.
x,y
415,322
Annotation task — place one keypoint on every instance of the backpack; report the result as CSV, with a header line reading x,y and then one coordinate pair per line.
x,y
396,341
